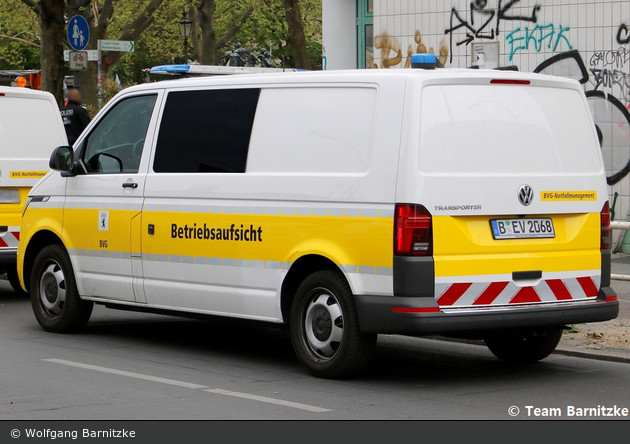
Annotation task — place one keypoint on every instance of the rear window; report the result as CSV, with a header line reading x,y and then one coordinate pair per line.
x,y
29,128
499,129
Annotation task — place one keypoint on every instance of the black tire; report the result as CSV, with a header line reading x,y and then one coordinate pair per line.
x,y
325,327
525,347
54,295
13,279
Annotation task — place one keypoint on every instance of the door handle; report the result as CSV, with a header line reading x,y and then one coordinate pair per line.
x,y
130,185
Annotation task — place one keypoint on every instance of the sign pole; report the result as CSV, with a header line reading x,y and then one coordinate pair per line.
x,y
78,34
100,76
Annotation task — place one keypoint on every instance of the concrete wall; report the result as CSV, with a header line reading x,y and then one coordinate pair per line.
x,y
586,40
339,34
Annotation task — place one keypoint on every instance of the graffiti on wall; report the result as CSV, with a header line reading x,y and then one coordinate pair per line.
x,y
483,22
392,53
612,119
610,69
623,34
527,39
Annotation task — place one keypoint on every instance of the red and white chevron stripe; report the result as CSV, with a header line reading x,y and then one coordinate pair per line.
x,y
10,239
506,292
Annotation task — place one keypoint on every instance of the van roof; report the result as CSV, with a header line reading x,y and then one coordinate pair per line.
x,y
356,75
13,91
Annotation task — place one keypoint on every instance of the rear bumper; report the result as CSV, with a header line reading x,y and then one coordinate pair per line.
x,y
376,315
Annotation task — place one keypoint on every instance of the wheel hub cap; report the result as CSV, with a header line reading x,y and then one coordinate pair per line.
x,y
52,289
323,325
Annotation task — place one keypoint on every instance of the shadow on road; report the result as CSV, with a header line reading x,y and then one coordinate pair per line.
x,y
398,362
398,359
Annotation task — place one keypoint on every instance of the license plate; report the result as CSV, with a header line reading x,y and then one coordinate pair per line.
x,y
522,228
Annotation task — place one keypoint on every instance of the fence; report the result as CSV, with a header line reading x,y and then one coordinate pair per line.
x,y
618,225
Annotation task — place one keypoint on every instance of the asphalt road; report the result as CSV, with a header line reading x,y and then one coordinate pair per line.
x,y
130,366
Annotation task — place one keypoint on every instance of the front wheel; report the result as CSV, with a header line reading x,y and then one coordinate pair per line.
x,y
54,295
325,327
525,347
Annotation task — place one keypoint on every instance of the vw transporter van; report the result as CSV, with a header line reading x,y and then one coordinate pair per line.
x,y
465,203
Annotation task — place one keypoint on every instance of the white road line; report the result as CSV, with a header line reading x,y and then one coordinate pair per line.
x,y
295,405
129,374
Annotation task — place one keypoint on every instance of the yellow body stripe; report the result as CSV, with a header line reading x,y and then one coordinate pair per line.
x,y
282,238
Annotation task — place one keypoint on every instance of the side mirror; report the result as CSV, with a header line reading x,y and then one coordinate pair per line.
x,y
62,159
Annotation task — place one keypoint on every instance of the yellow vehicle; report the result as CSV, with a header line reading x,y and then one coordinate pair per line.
x,y
30,124
468,203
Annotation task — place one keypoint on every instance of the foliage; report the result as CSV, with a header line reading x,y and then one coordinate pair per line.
x,y
161,42
18,20
268,26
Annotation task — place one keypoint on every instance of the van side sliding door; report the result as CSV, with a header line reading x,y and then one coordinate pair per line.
x,y
194,237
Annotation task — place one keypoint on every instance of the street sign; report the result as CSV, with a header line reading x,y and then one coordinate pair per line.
x,y
116,45
78,60
92,55
78,33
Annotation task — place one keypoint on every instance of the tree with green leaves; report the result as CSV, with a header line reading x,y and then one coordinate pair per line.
x,y
19,36
99,15
51,23
296,37
153,26
204,13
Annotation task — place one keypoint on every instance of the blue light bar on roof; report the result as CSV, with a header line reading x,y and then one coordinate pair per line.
x,y
426,61
170,69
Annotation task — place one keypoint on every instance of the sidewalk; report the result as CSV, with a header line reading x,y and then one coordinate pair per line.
x,y
608,341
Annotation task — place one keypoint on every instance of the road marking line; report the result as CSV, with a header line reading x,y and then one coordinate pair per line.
x,y
129,374
295,405
97,368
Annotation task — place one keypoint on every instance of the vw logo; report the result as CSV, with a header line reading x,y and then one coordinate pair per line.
x,y
525,195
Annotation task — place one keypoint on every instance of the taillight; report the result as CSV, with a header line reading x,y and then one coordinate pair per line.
x,y
413,235
605,218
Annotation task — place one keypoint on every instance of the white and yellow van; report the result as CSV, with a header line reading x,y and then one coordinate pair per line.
x,y
469,203
30,124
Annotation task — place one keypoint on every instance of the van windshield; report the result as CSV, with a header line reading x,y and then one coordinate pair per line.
x,y
506,129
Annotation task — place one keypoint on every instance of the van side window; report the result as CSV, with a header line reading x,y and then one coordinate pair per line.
x,y
115,145
323,129
206,131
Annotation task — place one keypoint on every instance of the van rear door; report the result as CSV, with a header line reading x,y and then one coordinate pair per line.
x,y
512,174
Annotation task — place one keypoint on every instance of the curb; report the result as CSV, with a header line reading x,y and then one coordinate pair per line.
x,y
591,355
560,350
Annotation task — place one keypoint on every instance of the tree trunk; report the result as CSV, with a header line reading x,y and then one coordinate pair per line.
x,y
210,43
195,35
296,38
52,24
206,9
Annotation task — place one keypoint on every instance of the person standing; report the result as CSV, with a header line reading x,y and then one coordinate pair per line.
x,y
75,117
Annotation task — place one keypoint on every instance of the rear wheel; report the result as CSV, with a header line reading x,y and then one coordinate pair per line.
x,y
54,295
13,279
525,347
325,327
